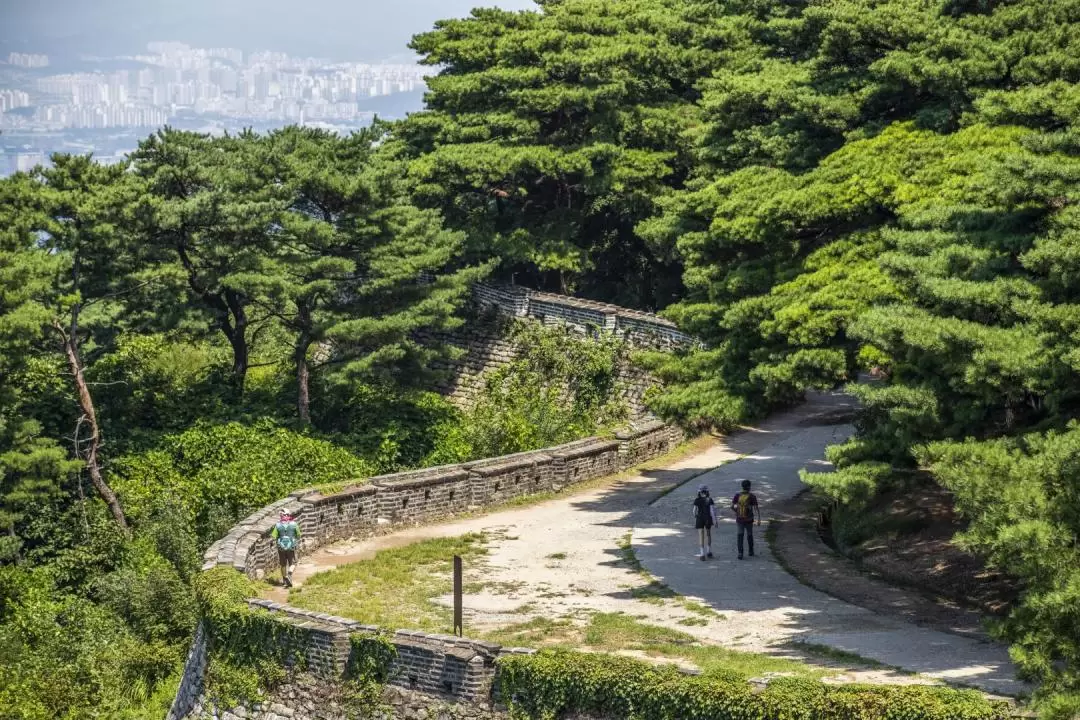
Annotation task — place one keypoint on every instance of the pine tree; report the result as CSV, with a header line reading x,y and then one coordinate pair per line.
x,y
548,135
64,264
349,260
204,211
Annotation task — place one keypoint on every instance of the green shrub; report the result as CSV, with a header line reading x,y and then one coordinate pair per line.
x,y
561,387
219,473
367,671
149,594
394,428
553,682
249,647
1020,497
152,383
63,656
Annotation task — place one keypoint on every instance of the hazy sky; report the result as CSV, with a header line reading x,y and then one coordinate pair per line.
x,y
339,29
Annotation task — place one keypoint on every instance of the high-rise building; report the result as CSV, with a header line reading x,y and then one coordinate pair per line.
x,y
11,99
28,60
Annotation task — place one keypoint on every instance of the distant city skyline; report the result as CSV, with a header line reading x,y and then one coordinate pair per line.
x,y
340,30
106,112
97,76
171,79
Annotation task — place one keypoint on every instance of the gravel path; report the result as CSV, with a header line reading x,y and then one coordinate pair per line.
x,y
562,559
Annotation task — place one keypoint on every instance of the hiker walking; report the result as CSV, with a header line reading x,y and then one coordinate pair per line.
x,y
704,519
287,534
745,506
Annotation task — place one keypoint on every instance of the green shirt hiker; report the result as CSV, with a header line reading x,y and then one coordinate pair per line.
x,y
287,534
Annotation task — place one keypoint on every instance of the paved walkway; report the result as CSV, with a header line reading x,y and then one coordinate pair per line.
x,y
769,605
561,559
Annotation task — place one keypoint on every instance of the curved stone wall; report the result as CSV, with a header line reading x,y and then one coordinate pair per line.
x,y
452,667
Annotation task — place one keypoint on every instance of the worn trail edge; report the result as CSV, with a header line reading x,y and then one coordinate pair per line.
x,y
765,605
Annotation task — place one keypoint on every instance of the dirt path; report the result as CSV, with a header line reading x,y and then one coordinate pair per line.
x,y
562,558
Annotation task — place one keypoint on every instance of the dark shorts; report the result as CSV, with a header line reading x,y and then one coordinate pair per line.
x,y
286,557
702,524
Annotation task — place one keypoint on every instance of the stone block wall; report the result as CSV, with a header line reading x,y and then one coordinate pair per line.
x,y
305,697
457,671
486,345
500,479
388,502
410,498
191,682
649,440
336,516
584,460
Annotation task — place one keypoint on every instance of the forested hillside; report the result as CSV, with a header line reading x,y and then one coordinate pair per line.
x,y
843,186
199,332
815,188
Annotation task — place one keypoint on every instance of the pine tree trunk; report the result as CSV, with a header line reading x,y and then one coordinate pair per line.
x,y
303,396
238,339
230,317
86,403
303,371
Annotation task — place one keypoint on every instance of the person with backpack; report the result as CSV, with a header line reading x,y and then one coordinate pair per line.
x,y
745,505
704,519
287,534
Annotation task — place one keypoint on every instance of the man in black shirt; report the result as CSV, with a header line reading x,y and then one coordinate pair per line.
x,y
745,505
704,519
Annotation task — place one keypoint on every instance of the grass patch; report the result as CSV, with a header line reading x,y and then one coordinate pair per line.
x,y
693,621
497,587
395,588
622,633
656,592
556,556
842,656
615,632
627,555
619,631
701,609
537,632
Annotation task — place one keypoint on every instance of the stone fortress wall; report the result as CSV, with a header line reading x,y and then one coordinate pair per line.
x,y
431,670
486,345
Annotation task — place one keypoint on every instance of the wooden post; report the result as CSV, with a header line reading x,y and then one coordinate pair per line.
x,y
458,629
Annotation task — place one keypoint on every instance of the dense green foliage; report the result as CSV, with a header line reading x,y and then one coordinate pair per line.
x,y
367,671
550,134
210,475
182,341
848,186
229,320
560,387
249,648
1021,496
552,682
815,188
